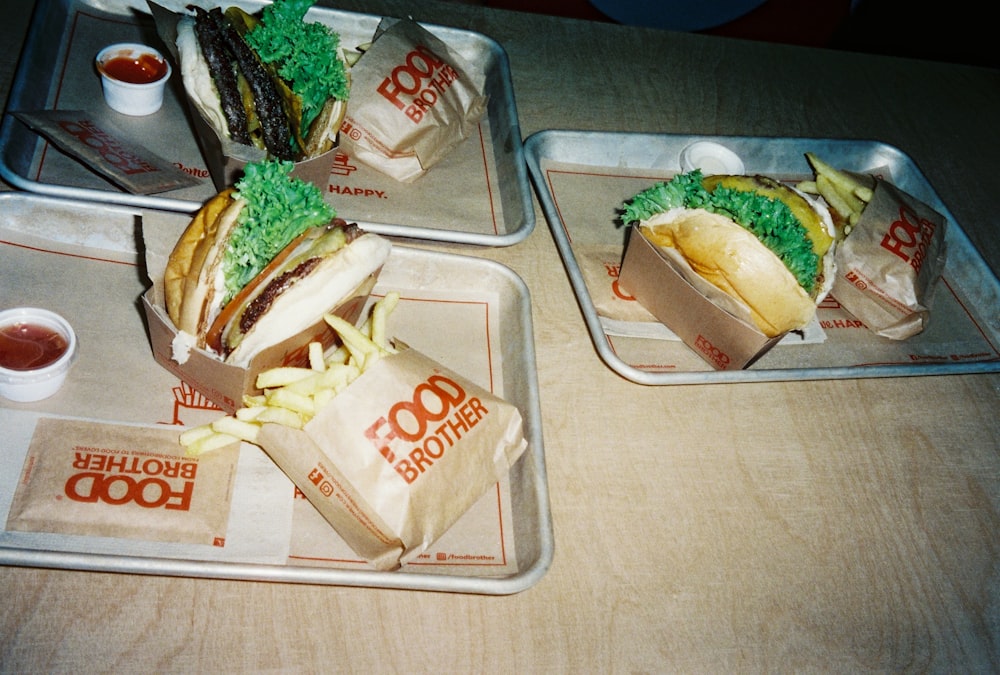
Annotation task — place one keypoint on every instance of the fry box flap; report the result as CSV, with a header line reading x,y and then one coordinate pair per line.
x,y
400,455
723,340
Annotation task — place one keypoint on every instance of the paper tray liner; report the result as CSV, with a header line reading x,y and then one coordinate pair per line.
x,y
504,545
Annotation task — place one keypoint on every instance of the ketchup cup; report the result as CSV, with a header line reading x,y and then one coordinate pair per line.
x,y
37,348
133,77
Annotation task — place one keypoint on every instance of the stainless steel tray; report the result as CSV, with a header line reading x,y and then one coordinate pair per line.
x,y
482,187
116,380
582,178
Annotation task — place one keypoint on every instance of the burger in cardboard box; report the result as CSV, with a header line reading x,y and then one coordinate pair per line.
x,y
267,85
245,287
729,263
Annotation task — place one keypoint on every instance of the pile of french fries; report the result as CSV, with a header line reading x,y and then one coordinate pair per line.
x,y
843,192
293,395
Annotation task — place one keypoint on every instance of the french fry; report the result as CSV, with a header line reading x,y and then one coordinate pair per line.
x,y
379,318
284,397
195,434
212,441
316,361
843,192
283,416
835,199
281,376
236,427
808,186
293,395
250,413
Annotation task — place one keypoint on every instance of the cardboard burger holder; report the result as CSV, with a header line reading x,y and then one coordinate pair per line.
x,y
223,383
724,340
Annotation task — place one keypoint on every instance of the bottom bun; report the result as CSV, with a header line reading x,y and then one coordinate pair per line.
x,y
736,262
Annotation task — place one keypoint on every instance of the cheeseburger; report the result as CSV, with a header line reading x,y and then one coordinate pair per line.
x,y
263,261
270,80
758,240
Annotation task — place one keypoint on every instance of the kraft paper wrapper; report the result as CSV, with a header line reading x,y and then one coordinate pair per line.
x,y
889,264
385,136
87,478
354,485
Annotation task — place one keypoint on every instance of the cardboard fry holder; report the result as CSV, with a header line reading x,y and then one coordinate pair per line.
x,y
658,282
400,455
224,158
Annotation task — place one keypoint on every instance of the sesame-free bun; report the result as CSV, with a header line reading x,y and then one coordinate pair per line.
x,y
190,278
735,261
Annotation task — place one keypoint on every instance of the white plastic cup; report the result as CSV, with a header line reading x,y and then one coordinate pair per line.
x,y
136,97
712,158
37,383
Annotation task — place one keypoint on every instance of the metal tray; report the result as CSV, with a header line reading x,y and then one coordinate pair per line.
x,y
56,71
582,178
116,380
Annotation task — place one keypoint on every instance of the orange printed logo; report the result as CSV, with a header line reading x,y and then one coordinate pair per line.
x,y
438,415
713,353
416,85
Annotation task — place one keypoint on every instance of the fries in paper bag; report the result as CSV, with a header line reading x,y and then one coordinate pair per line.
x,y
413,99
892,252
388,445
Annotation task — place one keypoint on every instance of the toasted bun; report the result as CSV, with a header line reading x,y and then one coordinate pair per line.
x,y
191,279
735,261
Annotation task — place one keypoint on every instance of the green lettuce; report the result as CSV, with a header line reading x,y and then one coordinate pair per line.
x,y
279,208
770,220
303,54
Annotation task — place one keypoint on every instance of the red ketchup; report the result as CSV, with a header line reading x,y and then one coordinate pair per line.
x,y
142,70
27,346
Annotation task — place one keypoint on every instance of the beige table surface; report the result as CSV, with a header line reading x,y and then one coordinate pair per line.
x,y
846,526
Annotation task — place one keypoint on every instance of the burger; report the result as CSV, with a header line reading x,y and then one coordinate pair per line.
x,y
261,262
270,80
763,243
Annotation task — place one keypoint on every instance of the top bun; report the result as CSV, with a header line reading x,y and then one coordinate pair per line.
x,y
735,261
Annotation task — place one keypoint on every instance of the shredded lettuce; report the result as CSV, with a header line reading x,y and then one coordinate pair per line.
x,y
770,220
279,208
303,54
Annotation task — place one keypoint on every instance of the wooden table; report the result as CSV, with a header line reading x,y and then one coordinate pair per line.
x,y
849,525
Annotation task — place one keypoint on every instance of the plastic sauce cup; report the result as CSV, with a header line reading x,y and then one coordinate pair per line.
x,y
133,77
711,158
37,348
